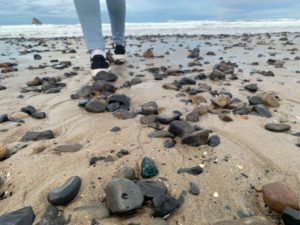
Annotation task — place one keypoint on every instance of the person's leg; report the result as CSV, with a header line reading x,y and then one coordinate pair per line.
x,y
117,14
90,20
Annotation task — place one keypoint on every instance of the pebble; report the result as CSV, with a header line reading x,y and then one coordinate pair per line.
x,y
269,99
187,81
196,138
262,111
128,173
164,204
194,189
151,189
148,168
225,118
95,106
214,141
180,128
192,170
3,152
251,87
2,88
39,115
193,116
290,216
121,99
217,75
277,127
148,119
68,148
150,108
148,54
255,100
221,101
170,143
115,129
37,136
65,193
278,196
52,216
18,115
123,195
24,216
83,102
124,114
109,77
29,110
136,81
168,118
198,99
84,92
3,118
160,134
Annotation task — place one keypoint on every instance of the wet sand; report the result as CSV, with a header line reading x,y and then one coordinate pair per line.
x,y
249,156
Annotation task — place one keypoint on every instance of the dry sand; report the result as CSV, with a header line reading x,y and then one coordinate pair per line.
x,y
246,147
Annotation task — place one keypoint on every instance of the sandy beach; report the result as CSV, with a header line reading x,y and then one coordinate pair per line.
x,y
248,156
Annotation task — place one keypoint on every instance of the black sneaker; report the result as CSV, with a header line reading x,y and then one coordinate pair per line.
x,y
120,53
98,64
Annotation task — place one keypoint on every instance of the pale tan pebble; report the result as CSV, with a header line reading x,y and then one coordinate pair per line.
x,y
3,152
19,115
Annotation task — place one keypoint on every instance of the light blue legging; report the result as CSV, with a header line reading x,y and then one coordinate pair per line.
x,y
89,14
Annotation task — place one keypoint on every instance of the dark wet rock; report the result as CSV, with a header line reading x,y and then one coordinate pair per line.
x,y
148,168
16,120
196,138
164,204
84,92
243,110
150,108
37,136
95,106
122,153
128,173
262,111
28,109
110,77
255,100
24,216
123,195
148,119
121,99
253,220
210,53
50,88
68,148
201,76
124,114
168,118
136,81
192,170
37,57
102,86
193,116
83,102
158,76
39,115
52,216
194,189
217,75
65,193
277,127
2,88
115,129
95,159
160,134
251,87
214,141
151,189
297,134
290,216
74,96
278,196
126,84
3,118
170,143
113,106
194,54
180,128
187,81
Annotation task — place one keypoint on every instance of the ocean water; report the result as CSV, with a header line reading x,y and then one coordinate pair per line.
x,y
166,28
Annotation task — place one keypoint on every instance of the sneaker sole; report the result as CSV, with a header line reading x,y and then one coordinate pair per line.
x,y
95,71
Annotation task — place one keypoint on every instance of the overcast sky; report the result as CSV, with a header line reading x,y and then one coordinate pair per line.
x,y
63,11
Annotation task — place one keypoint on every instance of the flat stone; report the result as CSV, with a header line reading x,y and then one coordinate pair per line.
x,y
128,173
148,168
170,143
290,216
251,87
95,106
107,76
18,115
39,115
198,99
103,87
217,75
253,220
255,100
160,134
124,114
136,81
214,141
180,128
28,109
148,119
123,195
187,81
84,92
3,118
194,189
68,148
37,136
24,216
164,204
277,127
262,111
151,189
83,102
168,118
193,116
52,216
65,193
196,138
278,196
192,170
150,108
